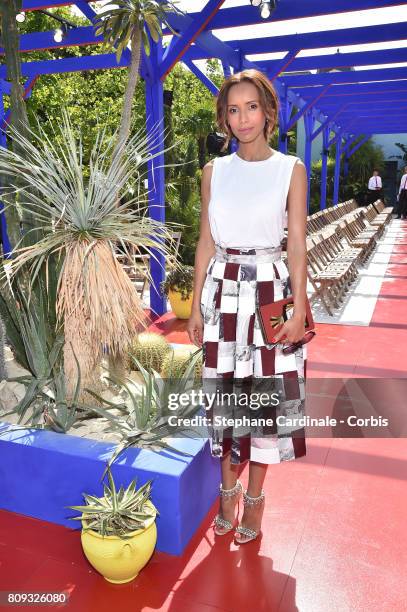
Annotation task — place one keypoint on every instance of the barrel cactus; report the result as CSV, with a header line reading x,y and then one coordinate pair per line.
x,y
176,361
149,349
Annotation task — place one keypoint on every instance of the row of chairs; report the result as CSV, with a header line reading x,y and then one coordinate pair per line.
x,y
340,239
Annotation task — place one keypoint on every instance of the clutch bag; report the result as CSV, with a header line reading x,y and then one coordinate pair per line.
x,y
273,316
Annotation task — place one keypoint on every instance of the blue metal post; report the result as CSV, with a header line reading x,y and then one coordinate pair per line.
x,y
309,128
3,143
156,176
337,173
284,116
324,167
345,166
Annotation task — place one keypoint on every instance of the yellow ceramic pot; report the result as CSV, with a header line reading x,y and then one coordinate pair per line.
x,y
120,560
181,308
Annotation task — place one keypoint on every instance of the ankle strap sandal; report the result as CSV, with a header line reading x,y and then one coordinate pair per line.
x,y
222,525
250,534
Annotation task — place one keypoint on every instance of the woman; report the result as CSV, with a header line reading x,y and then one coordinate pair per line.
x,y
238,265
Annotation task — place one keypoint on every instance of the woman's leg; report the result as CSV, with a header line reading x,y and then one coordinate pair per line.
x,y
257,474
229,478
252,514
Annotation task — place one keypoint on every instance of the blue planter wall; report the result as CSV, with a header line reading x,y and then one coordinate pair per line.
x,y
42,472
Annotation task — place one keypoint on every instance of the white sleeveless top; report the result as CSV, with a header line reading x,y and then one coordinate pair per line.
x,y
248,200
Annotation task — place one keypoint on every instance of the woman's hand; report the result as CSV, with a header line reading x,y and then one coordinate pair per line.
x,y
292,331
195,328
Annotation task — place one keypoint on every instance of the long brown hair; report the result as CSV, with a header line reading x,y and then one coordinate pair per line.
x,y
267,96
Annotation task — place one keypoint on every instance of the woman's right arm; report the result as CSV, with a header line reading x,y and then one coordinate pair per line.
x,y
204,251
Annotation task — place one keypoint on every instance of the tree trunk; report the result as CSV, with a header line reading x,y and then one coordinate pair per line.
x,y
133,73
117,365
18,112
202,151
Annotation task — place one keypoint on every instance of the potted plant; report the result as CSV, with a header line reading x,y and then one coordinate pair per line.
x,y
119,533
178,286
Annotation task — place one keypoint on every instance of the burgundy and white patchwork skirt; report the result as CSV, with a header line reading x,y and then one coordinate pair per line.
x,y
239,366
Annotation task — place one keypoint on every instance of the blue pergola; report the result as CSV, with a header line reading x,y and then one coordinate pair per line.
x,y
345,106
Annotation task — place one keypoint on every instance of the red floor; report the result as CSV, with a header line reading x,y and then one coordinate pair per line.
x,y
334,526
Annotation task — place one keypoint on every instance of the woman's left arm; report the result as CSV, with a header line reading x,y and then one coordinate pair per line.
x,y
293,329
296,240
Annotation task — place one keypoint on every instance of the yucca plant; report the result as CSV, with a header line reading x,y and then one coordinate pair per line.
x,y
144,419
82,223
130,21
117,512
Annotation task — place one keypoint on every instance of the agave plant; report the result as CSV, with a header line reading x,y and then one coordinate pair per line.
x,y
144,419
117,512
82,224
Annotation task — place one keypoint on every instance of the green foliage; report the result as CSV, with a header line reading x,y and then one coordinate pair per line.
x,y
117,512
181,280
37,342
149,349
403,149
362,163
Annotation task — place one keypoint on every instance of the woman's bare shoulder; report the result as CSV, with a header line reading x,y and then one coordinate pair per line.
x,y
207,172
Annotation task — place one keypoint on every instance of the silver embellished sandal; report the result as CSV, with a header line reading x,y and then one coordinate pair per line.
x,y
246,534
223,526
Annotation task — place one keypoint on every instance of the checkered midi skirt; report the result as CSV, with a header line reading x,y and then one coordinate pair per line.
x,y
239,367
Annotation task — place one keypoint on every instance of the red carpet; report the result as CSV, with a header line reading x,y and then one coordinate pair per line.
x,y
334,525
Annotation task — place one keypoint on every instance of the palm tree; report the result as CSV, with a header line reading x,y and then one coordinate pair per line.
x,y
130,21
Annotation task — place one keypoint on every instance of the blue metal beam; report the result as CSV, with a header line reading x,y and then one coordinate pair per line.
x,y
207,43
70,64
324,165
226,70
337,171
7,248
374,112
305,108
362,101
86,10
359,144
189,35
280,65
342,60
203,78
309,121
38,41
382,130
332,78
356,89
5,86
316,40
245,15
156,176
348,143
